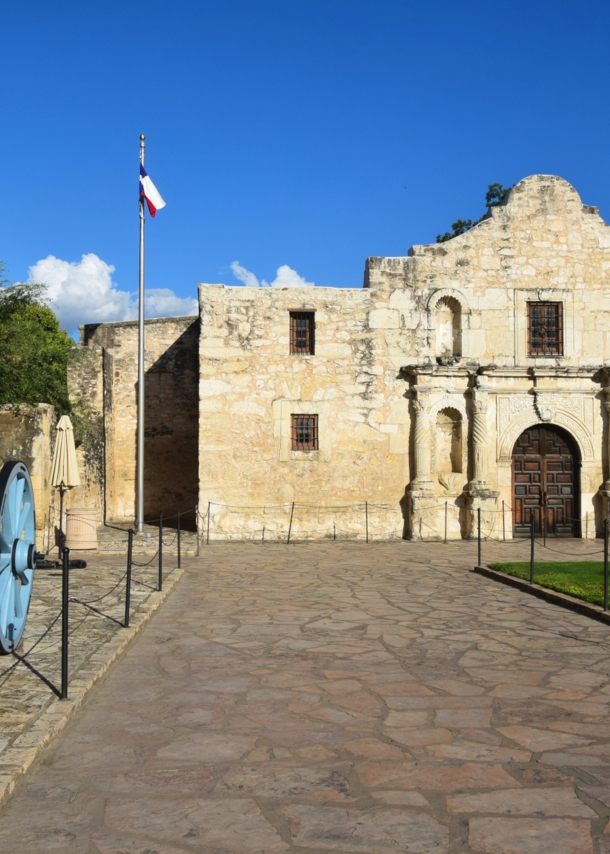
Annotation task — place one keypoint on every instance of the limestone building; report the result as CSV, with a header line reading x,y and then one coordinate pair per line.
x,y
468,375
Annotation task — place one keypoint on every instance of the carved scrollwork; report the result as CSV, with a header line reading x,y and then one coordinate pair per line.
x,y
526,419
449,401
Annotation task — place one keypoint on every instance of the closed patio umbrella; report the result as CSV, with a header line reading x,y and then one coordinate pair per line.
x,y
64,470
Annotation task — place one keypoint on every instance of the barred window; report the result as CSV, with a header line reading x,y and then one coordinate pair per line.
x,y
302,332
545,329
304,432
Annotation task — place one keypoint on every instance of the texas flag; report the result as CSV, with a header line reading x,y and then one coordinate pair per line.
x,y
150,193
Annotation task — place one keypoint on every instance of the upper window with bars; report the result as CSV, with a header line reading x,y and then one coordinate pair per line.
x,y
545,329
304,432
302,333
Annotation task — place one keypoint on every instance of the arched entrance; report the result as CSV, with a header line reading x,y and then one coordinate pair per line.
x,y
546,467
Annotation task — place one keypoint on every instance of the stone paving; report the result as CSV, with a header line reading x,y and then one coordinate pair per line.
x,y
24,695
336,698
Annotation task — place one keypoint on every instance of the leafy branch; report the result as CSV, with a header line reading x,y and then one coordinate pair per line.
x,y
495,195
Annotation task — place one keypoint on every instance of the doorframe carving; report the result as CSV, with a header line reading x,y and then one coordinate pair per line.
x,y
561,418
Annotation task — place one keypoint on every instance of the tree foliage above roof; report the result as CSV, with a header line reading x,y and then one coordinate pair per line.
x,y
33,349
494,196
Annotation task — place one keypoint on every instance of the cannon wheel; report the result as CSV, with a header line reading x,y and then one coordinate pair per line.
x,y
17,552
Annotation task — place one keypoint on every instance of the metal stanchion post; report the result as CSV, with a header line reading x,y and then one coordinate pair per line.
x,y
366,514
334,532
179,544
128,577
446,522
290,525
207,542
543,515
532,545
605,564
479,536
160,582
65,600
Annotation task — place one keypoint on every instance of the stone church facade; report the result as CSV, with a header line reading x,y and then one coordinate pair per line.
x,y
472,375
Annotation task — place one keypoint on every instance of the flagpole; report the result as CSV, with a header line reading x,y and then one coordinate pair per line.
x,y
140,430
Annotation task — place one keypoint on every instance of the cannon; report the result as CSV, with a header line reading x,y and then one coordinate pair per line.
x,y
17,552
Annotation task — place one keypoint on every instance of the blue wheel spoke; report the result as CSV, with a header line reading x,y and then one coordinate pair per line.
x,y
18,486
23,518
18,604
6,600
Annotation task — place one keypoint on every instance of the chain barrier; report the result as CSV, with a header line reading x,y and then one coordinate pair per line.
x,y
148,563
31,649
68,632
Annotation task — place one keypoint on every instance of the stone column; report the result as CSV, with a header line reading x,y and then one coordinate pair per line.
x,y
421,405
479,437
422,490
481,495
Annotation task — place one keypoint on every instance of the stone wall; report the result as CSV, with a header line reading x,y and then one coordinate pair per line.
x,y
436,337
421,382
250,386
27,435
104,376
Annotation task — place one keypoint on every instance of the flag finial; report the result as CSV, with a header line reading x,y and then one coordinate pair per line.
x,y
142,136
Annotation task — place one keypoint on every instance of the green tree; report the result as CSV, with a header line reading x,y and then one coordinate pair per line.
x,y
33,349
494,196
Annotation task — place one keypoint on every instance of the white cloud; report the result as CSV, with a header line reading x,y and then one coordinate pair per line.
x,y
245,276
83,292
285,277
162,302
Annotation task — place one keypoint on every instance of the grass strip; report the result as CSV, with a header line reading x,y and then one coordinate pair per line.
x,y
581,579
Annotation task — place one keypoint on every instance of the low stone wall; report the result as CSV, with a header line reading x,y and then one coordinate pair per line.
x,y
26,434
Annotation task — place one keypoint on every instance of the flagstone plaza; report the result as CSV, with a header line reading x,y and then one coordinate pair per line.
x,y
336,698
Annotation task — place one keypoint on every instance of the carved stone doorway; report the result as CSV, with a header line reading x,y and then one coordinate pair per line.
x,y
546,483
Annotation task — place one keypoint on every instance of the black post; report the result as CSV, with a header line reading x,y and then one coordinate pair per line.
x,y
479,535
543,512
61,521
446,522
605,564
532,545
160,583
128,576
207,542
65,599
290,525
366,511
334,532
178,535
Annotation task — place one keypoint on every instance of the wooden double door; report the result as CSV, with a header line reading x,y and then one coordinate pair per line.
x,y
546,483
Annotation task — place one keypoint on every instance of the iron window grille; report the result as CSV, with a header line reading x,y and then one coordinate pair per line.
x,y
302,332
304,432
545,329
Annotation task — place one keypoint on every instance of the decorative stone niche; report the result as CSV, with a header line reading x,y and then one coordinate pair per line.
x,y
449,450
448,328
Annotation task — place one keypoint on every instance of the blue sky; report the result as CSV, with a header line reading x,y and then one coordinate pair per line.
x,y
307,134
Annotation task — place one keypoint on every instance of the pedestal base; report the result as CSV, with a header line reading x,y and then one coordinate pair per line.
x,y
482,496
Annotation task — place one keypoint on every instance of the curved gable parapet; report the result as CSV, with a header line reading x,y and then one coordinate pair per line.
x,y
543,195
